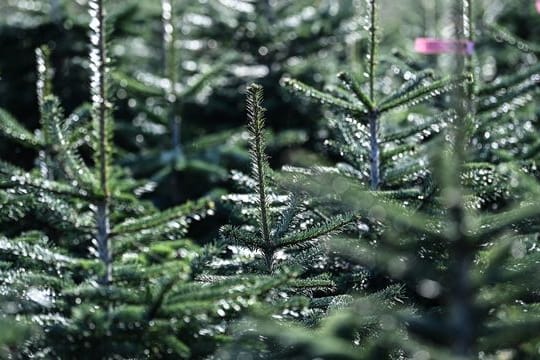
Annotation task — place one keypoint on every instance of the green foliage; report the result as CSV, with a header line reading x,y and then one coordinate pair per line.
x,y
13,129
271,39
109,272
286,233
376,152
205,52
464,281
12,336
404,224
173,153
458,260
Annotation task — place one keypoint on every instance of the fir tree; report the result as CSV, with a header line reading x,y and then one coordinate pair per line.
x,y
389,153
62,26
279,227
377,148
169,91
504,107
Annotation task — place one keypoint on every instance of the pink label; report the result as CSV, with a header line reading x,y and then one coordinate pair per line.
x,y
443,46
538,5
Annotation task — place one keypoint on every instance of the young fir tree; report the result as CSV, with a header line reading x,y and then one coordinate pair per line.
x,y
377,147
41,141
280,229
502,130
161,149
99,273
504,107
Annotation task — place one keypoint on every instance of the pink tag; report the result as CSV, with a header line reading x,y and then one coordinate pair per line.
x,y
538,5
443,46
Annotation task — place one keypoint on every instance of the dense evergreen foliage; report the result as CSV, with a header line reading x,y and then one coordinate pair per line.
x,y
376,204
